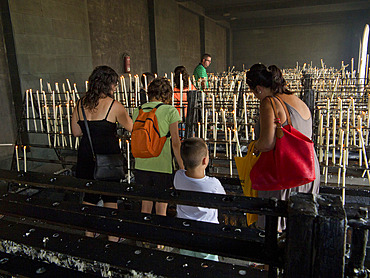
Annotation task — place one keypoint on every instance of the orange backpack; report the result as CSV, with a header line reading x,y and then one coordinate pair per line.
x,y
146,141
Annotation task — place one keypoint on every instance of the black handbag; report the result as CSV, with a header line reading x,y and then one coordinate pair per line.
x,y
108,167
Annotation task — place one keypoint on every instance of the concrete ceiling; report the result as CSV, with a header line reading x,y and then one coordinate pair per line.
x,y
263,13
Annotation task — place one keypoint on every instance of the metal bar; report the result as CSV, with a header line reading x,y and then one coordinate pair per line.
x,y
93,255
242,243
139,192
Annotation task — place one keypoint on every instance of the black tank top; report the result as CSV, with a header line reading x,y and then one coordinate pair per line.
x,y
105,141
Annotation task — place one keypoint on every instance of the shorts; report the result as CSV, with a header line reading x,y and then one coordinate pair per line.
x,y
157,179
96,198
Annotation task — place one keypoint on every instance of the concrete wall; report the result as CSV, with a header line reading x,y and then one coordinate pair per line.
x,y
286,45
7,113
167,35
215,40
52,41
118,27
189,39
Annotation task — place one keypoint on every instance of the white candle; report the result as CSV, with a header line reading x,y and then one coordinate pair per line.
x,y
25,158
205,126
215,136
69,126
47,119
341,144
321,136
69,85
340,111
245,117
136,92
359,127
253,135
230,153
334,137
203,111
17,157
181,91
41,85
27,112
40,112
128,162
199,130
327,112
33,110
145,82
327,155
87,85
130,84
120,143
62,127
213,108
189,84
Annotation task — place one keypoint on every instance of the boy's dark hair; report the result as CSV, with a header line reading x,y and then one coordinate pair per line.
x,y
192,151
160,89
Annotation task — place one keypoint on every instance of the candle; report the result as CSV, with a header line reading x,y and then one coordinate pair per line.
x,y
27,112
205,126
47,119
359,127
203,110
69,126
120,143
189,84
41,85
340,111
87,85
33,110
215,136
245,117
327,112
136,91
334,137
238,149
130,84
213,108
128,162
327,155
69,85
25,158
199,130
181,91
39,107
230,153
17,157
145,83
341,142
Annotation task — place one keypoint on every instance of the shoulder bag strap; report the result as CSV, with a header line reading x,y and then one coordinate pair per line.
x,y
88,131
279,131
285,109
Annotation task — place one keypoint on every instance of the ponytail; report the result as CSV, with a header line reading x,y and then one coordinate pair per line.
x,y
279,85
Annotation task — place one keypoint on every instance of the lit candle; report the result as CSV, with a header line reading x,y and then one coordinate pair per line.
x,y
327,112
213,108
128,162
87,85
334,137
39,108
69,85
69,126
321,136
203,110
120,143
341,145
25,158
340,111
27,112
327,155
17,157
205,126
145,82
245,117
359,127
181,91
199,130
33,111
215,136
47,119
61,125
230,153
130,84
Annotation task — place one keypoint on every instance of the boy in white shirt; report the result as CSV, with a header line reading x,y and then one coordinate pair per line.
x,y
194,153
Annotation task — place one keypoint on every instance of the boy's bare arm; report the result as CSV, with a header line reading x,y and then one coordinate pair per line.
x,y
174,131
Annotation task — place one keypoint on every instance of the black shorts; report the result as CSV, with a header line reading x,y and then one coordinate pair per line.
x,y
149,178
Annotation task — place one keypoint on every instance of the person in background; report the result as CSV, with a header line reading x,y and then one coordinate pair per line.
x,y
185,80
158,171
102,113
200,72
265,82
149,78
194,153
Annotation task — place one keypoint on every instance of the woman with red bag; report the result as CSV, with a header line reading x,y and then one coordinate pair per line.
x,y
266,83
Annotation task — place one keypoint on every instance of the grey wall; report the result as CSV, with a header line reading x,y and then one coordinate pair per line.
x,y
215,40
118,27
286,45
52,40
7,114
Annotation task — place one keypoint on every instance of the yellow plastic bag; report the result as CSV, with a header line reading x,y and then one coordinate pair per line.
x,y
244,166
